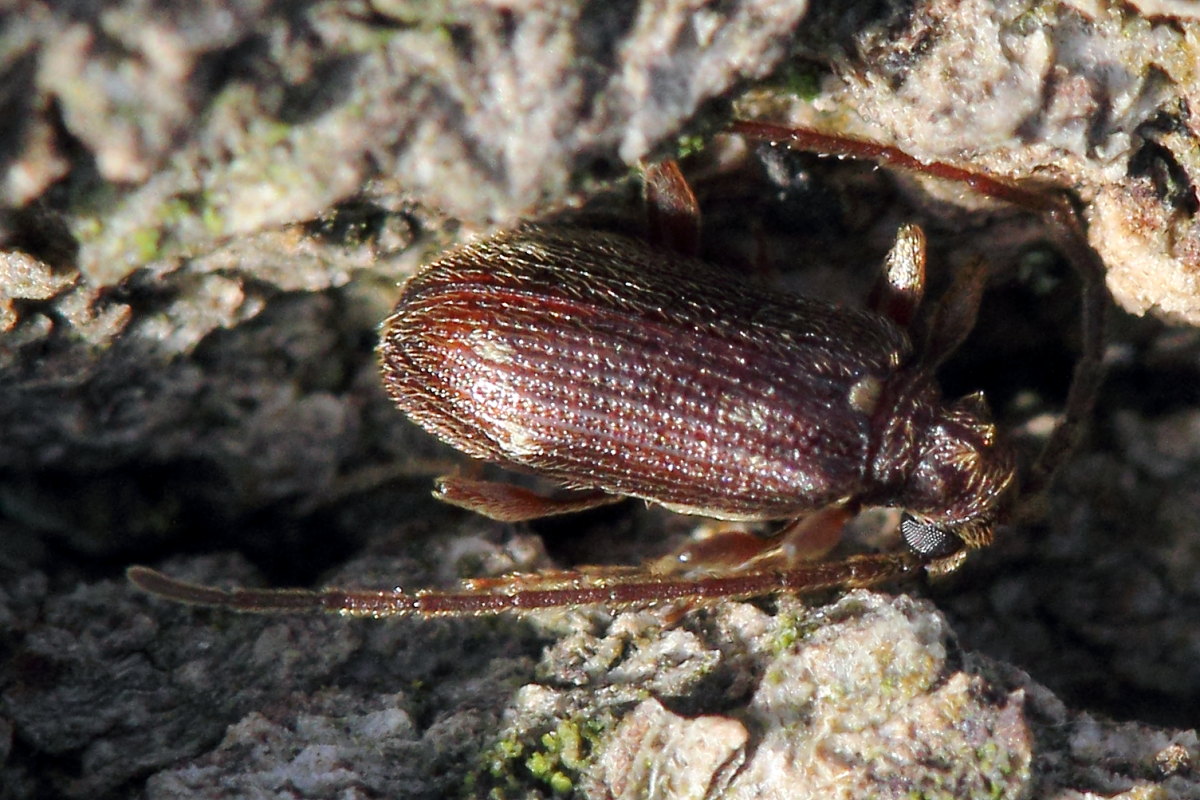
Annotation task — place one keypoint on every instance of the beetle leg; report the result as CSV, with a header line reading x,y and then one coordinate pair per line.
x,y
509,503
722,550
955,314
672,213
807,538
1088,374
811,537
898,293
941,567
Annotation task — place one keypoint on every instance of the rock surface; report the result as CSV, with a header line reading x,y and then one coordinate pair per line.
x,y
205,209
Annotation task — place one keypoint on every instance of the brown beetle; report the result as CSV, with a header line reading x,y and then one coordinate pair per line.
x,y
599,362
618,369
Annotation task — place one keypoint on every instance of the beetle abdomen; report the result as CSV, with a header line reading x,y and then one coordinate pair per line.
x,y
597,361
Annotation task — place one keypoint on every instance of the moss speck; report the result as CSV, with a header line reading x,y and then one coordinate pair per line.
x,y
145,244
801,79
555,758
688,144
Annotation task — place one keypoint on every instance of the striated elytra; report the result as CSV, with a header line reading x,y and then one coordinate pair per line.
x,y
604,364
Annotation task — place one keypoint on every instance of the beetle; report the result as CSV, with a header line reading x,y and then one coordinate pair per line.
x,y
619,369
604,364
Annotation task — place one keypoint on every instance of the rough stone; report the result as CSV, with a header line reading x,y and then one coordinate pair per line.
x,y
206,210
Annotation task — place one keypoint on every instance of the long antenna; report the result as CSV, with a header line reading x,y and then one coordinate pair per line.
x,y
530,592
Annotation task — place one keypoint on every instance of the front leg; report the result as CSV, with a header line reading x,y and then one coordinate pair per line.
x,y
672,213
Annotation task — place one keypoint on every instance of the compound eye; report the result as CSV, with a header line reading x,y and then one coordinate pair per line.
x,y
927,539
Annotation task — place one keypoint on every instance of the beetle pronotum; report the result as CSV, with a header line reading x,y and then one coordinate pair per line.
x,y
618,369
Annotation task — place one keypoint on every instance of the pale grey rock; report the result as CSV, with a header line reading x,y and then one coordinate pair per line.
x,y
1097,97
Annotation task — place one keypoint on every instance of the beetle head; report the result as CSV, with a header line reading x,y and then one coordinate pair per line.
x,y
962,473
